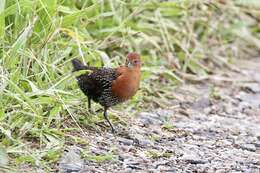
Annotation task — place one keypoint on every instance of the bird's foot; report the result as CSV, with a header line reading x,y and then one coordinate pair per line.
x,y
91,111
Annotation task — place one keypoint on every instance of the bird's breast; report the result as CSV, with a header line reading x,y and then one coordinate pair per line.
x,y
126,85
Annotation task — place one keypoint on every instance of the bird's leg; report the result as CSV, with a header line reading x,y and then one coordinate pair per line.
x,y
105,115
89,105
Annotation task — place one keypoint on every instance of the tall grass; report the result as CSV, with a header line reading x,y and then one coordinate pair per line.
x,y
41,107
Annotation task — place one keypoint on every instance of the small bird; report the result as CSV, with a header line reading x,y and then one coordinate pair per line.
x,y
109,86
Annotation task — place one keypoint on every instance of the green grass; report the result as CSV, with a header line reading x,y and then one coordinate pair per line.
x,y
100,158
158,154
41,106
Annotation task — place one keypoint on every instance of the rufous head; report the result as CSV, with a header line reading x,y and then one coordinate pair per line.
x,y
133,60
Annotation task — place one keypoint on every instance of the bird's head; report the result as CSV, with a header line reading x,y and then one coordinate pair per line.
x,y
133,60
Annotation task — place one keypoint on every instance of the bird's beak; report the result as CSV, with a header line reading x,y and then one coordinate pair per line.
x,y
130,65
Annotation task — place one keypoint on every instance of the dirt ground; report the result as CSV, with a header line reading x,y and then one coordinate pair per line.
x,y
212,126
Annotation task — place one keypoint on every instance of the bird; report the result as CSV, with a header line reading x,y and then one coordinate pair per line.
x,y
109,86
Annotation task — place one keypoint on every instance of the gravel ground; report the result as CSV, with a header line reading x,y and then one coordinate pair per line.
x,y
211,126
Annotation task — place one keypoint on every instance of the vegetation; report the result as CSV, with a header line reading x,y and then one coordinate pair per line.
x,y
42,110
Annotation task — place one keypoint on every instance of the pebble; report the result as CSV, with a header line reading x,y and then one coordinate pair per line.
x,y
201,103
193,159
249,147
149,118
125,141
71,161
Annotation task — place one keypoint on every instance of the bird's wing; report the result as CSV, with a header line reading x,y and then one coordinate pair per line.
x,y
104,77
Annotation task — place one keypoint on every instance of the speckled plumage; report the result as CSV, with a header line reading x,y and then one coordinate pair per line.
x,y
98,86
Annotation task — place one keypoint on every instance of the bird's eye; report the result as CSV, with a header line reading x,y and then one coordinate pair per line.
x,y
135,61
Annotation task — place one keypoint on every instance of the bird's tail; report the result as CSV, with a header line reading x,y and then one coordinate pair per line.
x,y
78,65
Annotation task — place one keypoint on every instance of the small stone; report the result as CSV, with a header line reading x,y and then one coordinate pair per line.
x,y
142,142
201,103
88,169
149,118
257,144
252,99
193,159
164,114
125,141
125,156
249,147
71,161
253,87
128,170
134,167
130,164
207,110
